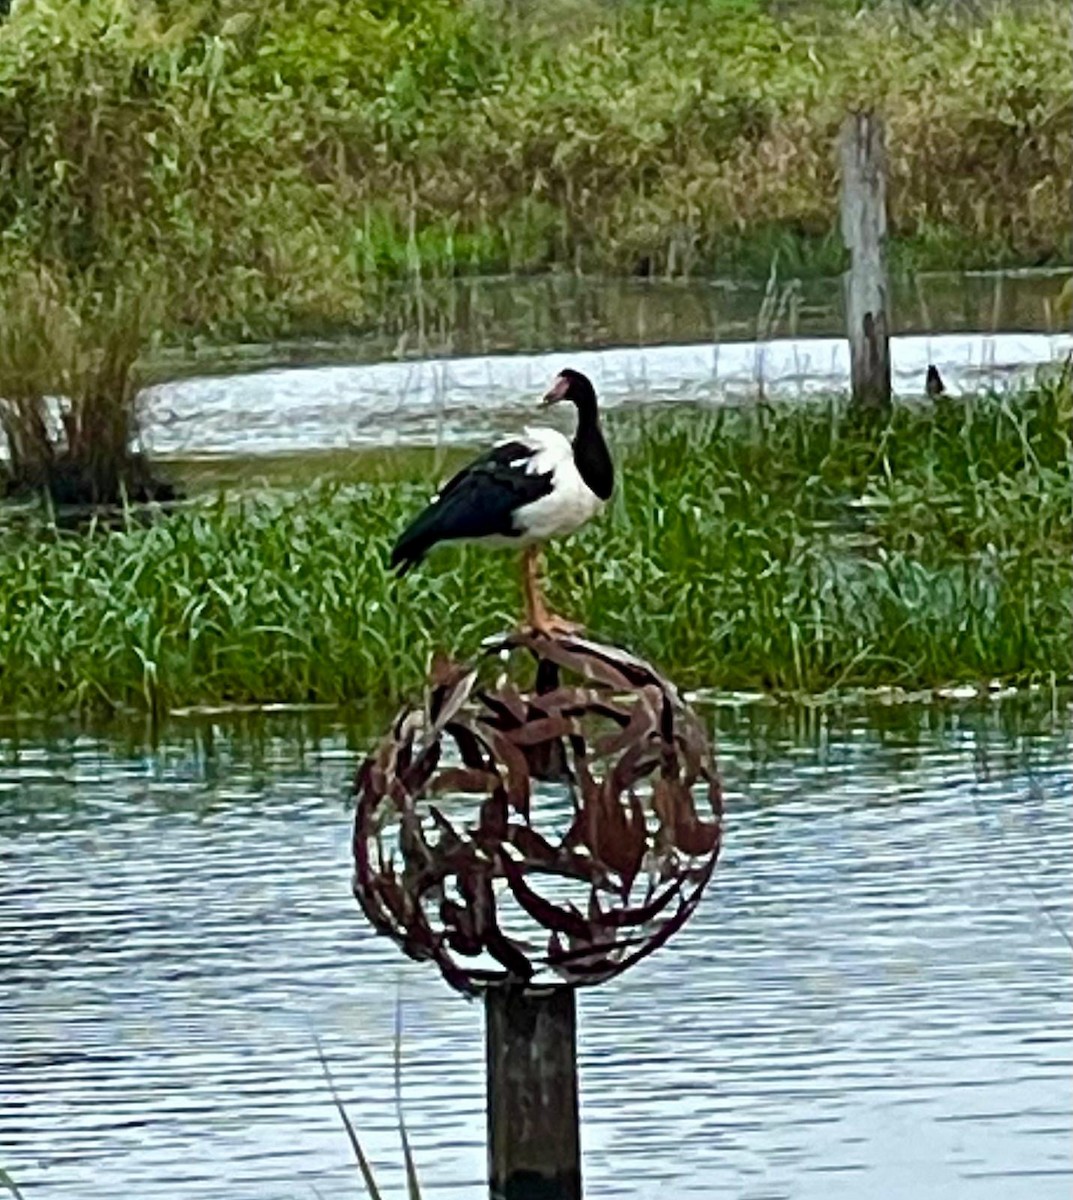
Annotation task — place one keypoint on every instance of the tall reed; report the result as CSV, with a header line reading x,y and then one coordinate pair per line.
x,y
69,388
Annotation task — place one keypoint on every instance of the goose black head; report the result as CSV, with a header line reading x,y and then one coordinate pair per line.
x,y
573,386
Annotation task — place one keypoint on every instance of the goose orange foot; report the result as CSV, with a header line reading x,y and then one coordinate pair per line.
x,y
550,625
538,617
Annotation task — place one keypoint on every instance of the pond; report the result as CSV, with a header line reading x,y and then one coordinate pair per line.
x,y
511,314
872,999
697,342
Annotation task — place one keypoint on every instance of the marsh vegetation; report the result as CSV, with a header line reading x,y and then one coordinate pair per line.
x,y
69,386
175,174
277,169
784,547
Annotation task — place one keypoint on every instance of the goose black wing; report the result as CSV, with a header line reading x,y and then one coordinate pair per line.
x,y
480,501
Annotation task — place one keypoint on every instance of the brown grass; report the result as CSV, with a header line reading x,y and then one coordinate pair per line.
x,y
69,387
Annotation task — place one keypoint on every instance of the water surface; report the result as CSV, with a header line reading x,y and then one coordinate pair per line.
x,y
468,400
512,314
467,364
873,998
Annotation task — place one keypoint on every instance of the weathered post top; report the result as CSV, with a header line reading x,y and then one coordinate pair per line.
x,y
534,1135
530,839
864,231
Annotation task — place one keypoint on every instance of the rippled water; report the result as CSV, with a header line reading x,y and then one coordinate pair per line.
x,y
440,401
461,364
511,314
873,998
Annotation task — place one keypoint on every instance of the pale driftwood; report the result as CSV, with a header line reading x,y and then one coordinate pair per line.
x,y
864,231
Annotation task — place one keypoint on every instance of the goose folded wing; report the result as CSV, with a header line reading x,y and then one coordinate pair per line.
x,y
478,502
481,500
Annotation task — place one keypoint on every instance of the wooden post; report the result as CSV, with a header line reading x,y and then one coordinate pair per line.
x,y
534,1143
864,231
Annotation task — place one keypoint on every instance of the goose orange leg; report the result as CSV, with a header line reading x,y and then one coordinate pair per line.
x,y
539,619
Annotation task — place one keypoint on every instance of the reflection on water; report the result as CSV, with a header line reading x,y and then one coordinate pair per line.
x,y
872,999
529,315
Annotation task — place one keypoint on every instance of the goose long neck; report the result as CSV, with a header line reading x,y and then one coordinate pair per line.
x,y
591,454
588,420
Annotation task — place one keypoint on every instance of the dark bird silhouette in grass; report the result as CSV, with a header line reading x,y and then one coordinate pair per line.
x,y
933,382
521,492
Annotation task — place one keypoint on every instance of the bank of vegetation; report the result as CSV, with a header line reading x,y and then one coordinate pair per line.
x,y
787,548
226,170
278,168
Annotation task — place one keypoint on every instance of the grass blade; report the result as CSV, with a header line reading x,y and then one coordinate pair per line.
x,y
351,1132
7,1182
413,1187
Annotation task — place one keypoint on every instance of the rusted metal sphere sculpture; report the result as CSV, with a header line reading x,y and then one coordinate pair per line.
x,y
552,835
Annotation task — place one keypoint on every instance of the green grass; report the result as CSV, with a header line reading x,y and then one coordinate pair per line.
x,y
8,1184
790,548
276,169
413,1186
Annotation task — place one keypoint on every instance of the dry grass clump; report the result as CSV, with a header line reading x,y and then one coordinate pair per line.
x,y
68,391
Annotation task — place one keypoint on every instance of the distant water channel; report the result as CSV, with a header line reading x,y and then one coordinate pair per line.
x,y
873,1000
462,365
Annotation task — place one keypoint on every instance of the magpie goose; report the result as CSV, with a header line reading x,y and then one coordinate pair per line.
x,y
520,493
